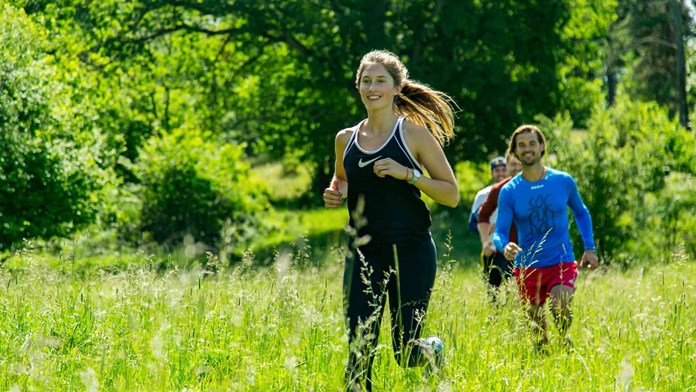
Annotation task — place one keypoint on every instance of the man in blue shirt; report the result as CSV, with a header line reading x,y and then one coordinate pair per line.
x,y
537,200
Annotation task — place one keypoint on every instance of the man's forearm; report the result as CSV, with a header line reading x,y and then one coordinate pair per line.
x,y
483,229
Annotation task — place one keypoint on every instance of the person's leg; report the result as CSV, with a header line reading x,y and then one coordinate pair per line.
x,y
561,296
487,269
499,266
500,269
504,265
409,295
364,298
486,262
559,301
537,315
533,293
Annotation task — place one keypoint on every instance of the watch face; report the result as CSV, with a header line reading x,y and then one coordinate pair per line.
x,y
416,176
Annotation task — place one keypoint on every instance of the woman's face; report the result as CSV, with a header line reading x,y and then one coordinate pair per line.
x,y
376,87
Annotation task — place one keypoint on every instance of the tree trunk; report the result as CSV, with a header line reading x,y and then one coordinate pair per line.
x,y
612,83
375,18
681,63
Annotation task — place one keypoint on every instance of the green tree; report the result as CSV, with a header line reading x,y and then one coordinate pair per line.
x,y
656,69
585,65
626,166
52,165
191,186
279,75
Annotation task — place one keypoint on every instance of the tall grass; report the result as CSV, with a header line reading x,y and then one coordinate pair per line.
x,y
281,328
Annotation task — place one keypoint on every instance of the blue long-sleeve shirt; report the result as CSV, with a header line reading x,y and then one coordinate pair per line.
x,y
540,212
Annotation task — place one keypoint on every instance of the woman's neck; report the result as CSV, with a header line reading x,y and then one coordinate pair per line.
x,y
380,121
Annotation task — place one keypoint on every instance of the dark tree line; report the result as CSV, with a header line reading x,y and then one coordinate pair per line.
x,y
276,78
279,74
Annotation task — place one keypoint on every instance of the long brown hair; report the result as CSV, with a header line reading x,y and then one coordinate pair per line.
x,y
527,128
419,103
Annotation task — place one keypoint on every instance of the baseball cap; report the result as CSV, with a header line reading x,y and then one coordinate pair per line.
x,y
498,162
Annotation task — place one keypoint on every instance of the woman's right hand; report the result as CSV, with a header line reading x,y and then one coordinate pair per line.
x,y
333,198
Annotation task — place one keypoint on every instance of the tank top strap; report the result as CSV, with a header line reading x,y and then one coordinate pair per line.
x,y
401,142
353,138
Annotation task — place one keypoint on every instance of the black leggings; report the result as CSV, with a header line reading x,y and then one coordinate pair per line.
x,y
366,281
496,268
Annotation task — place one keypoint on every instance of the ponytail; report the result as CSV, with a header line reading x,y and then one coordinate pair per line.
x,y
429,108
419,103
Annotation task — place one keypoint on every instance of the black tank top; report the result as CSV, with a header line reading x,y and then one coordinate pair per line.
x,y
393,209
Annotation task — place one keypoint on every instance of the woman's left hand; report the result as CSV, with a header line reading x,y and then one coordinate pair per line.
x,y
389,167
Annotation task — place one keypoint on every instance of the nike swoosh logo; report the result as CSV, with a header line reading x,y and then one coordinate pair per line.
x,y
363,164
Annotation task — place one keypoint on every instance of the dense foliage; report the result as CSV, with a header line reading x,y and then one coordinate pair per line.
x,y
52,162
87,87
634,166
279,75
194,188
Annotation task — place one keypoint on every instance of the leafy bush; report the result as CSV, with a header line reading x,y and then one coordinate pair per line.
x,y
49,169
193,188
471,177
672,221
43,193
629,167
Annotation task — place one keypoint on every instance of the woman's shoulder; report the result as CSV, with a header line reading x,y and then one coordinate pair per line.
x,y
343,136
415,135
412,129
345,133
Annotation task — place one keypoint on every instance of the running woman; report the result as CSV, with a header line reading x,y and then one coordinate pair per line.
x,y
380,167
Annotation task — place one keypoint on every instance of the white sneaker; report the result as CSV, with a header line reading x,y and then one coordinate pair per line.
x,y
434,350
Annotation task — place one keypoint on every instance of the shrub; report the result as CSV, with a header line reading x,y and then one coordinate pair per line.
x,y
48,169
471,178
194,188
626,167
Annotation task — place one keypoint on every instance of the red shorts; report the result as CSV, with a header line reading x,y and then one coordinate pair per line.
x,y
535,284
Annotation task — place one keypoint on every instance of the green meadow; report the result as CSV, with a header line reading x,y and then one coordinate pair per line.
x,y
162,164
132,326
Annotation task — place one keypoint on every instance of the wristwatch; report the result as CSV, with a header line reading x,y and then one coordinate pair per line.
x,y
415,178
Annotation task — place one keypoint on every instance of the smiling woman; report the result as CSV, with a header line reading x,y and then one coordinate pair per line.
x,y
383,159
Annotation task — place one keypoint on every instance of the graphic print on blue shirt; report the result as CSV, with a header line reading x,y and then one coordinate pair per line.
x,y
540,211
541,215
